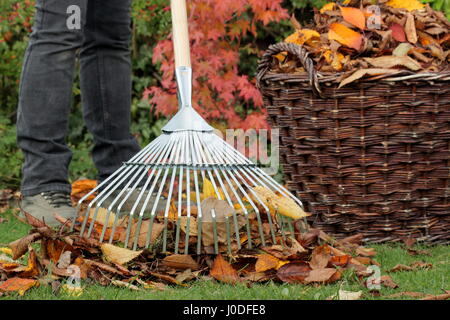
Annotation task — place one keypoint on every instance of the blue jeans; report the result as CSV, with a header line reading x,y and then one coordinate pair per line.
x,y
102,46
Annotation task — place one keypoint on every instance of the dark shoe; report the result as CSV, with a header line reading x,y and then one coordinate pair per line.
x,y
43,206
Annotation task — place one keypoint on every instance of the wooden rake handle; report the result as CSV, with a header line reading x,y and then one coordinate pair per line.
x,y
180,33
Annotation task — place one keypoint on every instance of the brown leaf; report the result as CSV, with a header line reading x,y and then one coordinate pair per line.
x,y
118,255
444,296
157,229
18,284
410,29
409,242
327,275
294,272
358,74
32,221
388,282
406,294
222,271
32,269
393,61
20,246
401,267
167,278
180,261
320,257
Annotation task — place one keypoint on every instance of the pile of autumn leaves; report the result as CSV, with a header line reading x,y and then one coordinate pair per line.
x,y
391,36
310,257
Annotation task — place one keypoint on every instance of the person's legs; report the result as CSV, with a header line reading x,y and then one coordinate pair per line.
x,y
44,105
45,97
106,83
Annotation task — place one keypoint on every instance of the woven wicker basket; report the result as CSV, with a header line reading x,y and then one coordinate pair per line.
x,y
372,157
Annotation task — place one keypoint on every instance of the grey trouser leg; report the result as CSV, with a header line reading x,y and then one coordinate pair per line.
x,y
46,90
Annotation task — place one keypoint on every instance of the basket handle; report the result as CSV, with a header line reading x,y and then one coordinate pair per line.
x,y
300,53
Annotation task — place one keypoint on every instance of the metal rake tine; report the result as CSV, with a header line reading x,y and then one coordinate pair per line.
x,y
216,157
104,194
160,157
251,201
154,154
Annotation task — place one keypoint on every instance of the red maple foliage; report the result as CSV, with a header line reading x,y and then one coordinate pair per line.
x,y
216,29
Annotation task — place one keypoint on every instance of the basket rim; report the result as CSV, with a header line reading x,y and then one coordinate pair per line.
x,y
315,77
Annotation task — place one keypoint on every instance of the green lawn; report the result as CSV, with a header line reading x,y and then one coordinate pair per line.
x,y
431,281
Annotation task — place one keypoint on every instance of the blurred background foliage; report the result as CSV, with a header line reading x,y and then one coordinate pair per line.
x,y
267,22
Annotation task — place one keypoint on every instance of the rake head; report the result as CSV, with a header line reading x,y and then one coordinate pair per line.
x,y
188,191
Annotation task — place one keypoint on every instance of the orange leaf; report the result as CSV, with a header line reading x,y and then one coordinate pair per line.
x,y
334,59
354,16
82,187
345,36
223,271
18,284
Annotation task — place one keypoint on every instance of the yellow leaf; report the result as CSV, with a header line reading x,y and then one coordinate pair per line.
x,y
283,205
334,59
73,291
327,7
281,56
409,5
7,251
302,36
209,191
118,255
345,36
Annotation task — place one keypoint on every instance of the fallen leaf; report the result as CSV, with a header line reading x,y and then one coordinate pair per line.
x,y
402,50
167,278
444,296
358,74
210,191
70,290
388,282
406,294
32,269
345,36
222,271
409,5
349,295
180,261
283,205
401,267
328,7
327,275
118,255
124,284
320,257
7,251
302,36
393,61
410,29
294,272
354,16
19,285
157,229
266,262
398,33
